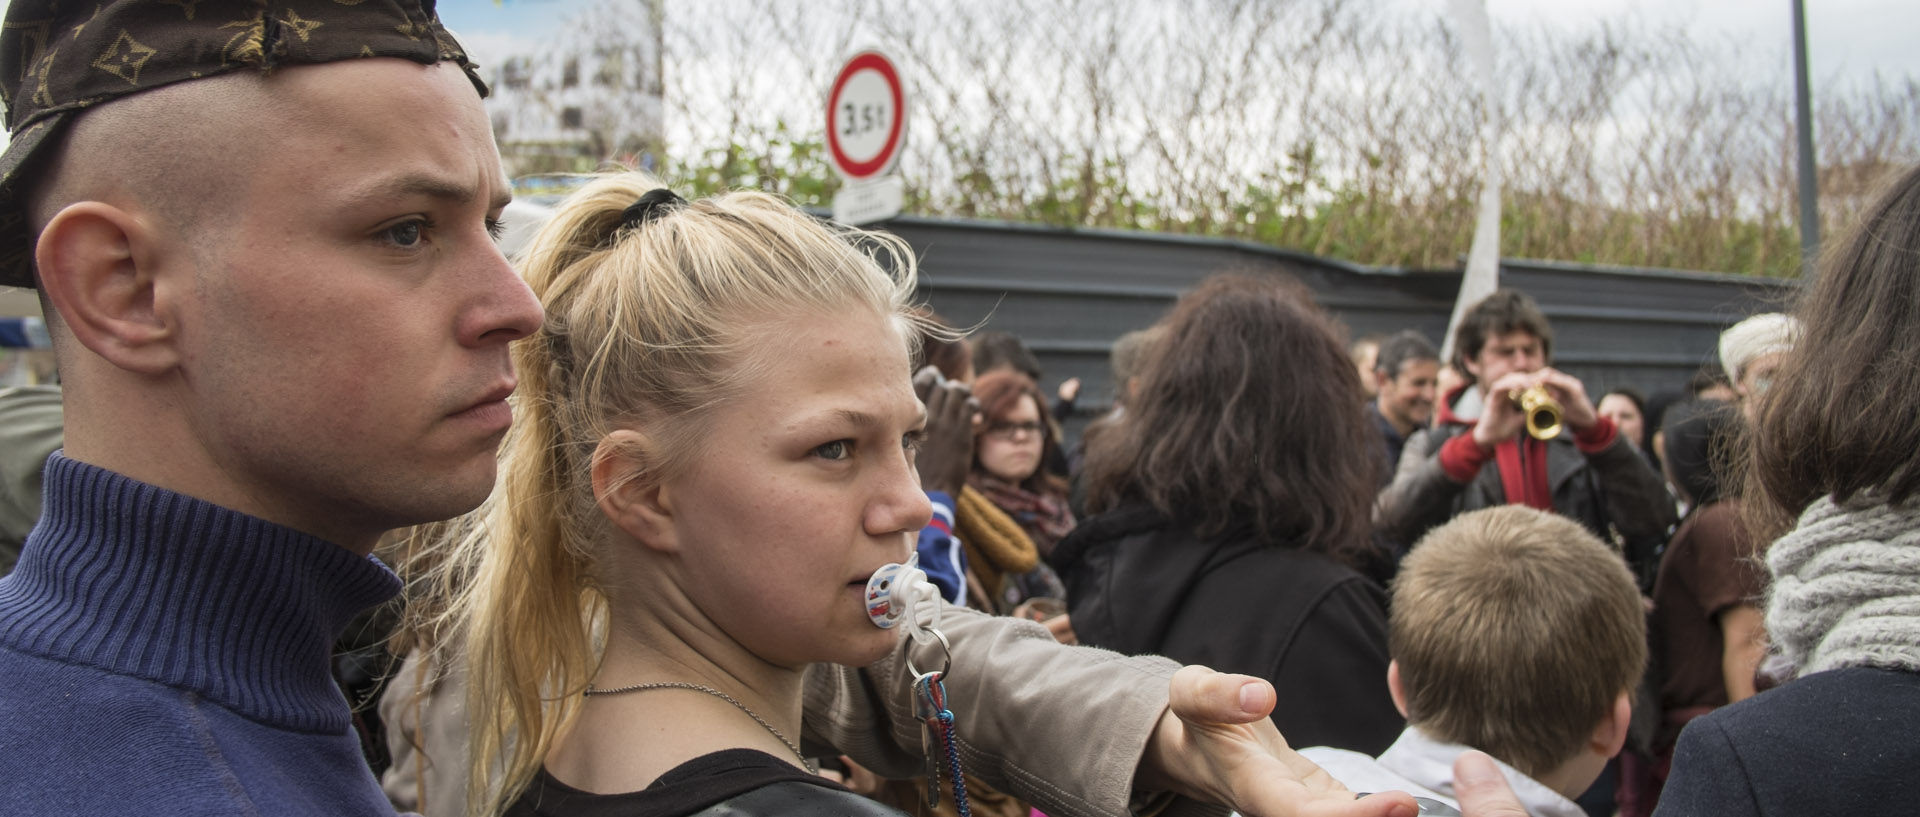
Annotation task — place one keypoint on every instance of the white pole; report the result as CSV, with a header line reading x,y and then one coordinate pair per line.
x,y
1482,275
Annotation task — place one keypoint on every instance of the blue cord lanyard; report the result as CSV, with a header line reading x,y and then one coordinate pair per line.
x,y
930,706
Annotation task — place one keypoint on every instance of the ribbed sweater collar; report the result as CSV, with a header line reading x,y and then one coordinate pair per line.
x,y
138,580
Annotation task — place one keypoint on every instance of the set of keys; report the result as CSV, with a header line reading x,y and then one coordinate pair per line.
x,y
900,594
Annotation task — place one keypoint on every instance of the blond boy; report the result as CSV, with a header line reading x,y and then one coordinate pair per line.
x,y
1515,632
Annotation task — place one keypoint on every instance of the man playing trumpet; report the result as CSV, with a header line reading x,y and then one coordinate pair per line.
x,y
1480,453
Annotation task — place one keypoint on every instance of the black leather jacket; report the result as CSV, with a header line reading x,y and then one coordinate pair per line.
x,y
1609,490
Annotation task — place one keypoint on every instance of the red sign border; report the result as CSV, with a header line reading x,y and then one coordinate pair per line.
x,y
866,61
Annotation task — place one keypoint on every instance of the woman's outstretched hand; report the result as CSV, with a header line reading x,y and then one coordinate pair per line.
x,y
1216,744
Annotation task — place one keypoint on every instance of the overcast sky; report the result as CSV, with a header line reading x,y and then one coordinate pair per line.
x,y
1848,39
1845,38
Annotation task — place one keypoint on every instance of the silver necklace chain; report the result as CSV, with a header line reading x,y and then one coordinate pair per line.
x,y
811,769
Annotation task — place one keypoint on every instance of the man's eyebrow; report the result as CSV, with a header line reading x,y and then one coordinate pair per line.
x,y
420,184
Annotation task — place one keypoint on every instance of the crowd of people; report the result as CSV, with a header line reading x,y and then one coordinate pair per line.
x,y
1221,479
649,483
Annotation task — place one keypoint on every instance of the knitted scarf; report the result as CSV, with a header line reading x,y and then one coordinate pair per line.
x,y
996,546
1846,588
1046,519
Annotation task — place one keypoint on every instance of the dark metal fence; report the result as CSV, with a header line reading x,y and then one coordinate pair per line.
x,y
1070,293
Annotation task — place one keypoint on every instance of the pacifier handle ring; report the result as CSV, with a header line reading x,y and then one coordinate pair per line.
x,y
944,646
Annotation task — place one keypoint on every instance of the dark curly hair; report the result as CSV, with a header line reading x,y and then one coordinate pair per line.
x,y
1247,414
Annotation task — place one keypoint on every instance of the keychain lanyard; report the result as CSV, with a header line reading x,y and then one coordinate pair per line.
x,y
901,593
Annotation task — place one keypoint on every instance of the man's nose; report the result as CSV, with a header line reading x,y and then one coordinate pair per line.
x,y
504,309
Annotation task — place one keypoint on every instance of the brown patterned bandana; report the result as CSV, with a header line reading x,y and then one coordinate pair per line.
x,y
60,56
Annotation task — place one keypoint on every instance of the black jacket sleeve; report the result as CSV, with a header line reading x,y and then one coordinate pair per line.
x,y
1636,497
1421,497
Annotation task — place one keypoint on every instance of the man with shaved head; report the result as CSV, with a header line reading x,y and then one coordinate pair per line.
x,y
261,233
356,378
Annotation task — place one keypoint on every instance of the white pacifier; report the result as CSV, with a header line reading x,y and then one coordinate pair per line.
x,y
901,593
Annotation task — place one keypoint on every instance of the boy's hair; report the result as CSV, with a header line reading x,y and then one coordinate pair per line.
x,y
1515,631
1506,310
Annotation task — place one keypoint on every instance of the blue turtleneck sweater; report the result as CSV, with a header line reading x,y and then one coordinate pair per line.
x,y
161,655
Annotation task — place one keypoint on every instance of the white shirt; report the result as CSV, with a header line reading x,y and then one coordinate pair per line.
x,y
1421,766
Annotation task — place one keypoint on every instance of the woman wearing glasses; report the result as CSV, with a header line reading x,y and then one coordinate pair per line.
x,y
1011,446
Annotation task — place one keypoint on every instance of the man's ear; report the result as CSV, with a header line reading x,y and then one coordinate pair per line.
x,y
1380,380
1395,689
100,267
1611,733
1471,367
627,488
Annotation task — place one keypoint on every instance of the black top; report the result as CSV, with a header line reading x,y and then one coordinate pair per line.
x,y
1392,442
1140,583
749,782
1839,742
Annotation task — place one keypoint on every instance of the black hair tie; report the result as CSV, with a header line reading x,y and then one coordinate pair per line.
x,y
656,203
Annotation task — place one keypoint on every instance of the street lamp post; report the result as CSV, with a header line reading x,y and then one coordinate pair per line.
x,y
1809,185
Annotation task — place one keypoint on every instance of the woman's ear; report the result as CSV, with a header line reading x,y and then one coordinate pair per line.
x,y
627,489
102,274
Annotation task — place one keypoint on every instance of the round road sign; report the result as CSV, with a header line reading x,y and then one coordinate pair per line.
x,y
865,116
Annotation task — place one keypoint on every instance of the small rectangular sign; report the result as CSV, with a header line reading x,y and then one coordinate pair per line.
x,y
865,202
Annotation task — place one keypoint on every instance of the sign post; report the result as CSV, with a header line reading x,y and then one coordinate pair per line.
x,y
866,126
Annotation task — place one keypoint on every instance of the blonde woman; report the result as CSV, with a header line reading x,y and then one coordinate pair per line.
x,y
713,456
712,452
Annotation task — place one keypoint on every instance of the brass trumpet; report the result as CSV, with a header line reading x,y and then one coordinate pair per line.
x,y
1542,411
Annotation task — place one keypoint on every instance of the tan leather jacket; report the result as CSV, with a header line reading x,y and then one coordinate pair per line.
x,y
1060,727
